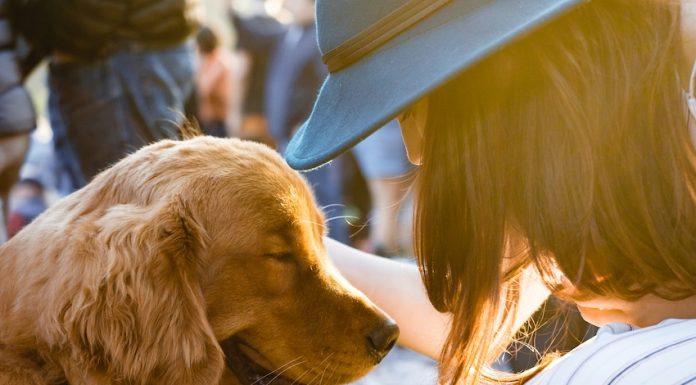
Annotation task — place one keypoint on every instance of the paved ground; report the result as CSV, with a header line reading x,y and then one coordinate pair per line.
x,y
402,367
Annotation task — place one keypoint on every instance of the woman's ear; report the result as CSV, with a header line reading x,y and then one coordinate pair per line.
x,y
143,316
412,123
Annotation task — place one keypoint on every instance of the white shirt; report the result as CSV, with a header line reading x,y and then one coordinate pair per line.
x,y
663,354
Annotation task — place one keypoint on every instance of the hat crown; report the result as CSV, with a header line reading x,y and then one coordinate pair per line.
x,y
339,20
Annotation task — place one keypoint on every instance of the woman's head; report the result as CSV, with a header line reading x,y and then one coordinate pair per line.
x,y
567,150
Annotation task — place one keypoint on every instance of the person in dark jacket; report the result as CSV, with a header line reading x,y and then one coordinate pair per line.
x,y
257,34
294,74
17,117
120,71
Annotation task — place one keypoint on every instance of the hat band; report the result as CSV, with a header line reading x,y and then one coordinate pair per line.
x,y
381,32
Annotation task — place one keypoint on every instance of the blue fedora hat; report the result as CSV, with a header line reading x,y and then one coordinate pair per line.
x,y
385,54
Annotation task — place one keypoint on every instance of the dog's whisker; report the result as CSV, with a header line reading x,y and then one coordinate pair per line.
x,y
359,228
302,375
341,217
323,372
285,370
279,372
290,364
320,375
333,371
296,361
326,359
312,380
333,205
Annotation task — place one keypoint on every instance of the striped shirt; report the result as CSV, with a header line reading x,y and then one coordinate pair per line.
x,y
663,354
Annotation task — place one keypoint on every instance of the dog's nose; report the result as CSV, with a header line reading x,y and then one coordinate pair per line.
x,y
382,339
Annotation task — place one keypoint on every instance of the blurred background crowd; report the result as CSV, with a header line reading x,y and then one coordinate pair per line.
x,y
107,77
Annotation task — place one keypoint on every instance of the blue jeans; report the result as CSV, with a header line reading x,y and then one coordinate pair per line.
x,y
101,111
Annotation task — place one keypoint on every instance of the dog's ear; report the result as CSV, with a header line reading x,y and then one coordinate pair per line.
x,y
144,315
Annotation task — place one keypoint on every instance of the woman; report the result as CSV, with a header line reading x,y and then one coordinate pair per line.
x,y
554,149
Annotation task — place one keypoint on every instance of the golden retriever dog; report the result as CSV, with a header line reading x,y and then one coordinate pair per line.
x,y
140,276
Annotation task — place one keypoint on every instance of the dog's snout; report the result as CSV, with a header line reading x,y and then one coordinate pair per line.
x,y
381,340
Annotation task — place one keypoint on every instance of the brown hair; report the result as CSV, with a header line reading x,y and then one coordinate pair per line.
x,y
569,151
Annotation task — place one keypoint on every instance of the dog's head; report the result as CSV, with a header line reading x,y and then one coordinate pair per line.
x,y
210,240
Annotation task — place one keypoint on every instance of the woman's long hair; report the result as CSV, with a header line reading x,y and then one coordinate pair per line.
x,y
567,151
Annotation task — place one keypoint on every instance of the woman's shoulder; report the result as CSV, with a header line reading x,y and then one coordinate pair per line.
x,y
621,355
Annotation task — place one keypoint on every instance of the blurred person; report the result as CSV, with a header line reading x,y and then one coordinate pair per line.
x,y
257,33
42,181
386,168
119,73
27,201
552,139
17,116
213,84
295,73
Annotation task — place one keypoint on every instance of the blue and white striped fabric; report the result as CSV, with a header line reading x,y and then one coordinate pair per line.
x,y
663,354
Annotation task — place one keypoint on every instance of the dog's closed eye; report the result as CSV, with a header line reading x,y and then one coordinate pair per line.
x,y
282,257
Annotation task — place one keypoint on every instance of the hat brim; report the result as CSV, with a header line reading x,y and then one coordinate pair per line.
x,y
358,100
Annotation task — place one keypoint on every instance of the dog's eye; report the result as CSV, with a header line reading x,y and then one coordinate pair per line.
x,y
283,257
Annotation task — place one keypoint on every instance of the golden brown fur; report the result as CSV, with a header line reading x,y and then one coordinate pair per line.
x,y
135,278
